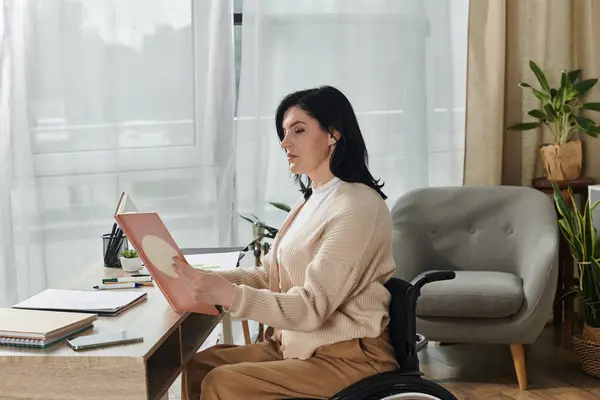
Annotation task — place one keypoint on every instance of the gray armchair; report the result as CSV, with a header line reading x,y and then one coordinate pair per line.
x,y
502,241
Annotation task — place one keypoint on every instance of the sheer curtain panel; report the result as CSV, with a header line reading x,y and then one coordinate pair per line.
x,y
103,97
402,64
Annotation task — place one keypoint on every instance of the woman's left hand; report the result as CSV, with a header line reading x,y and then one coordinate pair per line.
x,y
207,287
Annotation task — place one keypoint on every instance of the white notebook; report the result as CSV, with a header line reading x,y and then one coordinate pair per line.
x,y
101,301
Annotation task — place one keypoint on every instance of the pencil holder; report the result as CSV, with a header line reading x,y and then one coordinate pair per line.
x,y
112,246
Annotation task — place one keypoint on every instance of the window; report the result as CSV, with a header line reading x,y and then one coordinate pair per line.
x,y
120,97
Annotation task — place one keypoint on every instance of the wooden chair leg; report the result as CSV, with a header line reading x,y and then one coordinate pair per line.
x,y
518,356
247,337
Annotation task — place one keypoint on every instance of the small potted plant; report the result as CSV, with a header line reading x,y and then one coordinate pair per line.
x,y
577,228
260,228
130,262
560,111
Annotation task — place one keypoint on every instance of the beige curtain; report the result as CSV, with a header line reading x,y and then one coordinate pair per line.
x,y
503,36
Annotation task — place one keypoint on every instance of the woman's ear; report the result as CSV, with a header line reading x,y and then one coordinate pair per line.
x,y
334,137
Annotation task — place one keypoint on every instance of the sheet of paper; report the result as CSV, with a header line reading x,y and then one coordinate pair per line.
x,y
214,261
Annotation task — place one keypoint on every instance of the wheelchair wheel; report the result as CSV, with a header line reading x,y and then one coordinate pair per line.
x,y
397,387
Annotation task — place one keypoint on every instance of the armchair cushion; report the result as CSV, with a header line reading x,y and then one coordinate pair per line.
x,y
472,294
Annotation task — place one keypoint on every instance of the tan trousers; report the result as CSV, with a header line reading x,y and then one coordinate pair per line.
x,y
258,371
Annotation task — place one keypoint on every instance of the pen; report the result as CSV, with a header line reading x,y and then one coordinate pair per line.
x,y
118,286
128,279
150,283
206,266
112,234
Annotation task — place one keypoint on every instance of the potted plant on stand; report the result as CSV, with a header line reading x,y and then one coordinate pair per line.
x,y
577,228
560,111
130,262
261,229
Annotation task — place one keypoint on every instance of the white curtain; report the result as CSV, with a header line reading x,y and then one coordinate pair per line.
x,y
402,64
97,97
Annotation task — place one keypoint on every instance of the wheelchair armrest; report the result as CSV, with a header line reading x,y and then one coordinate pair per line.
x,y
403,332
434,276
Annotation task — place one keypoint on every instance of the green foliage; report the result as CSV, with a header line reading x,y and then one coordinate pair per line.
x,y
262,230
560,107
129,253
579,232
281,206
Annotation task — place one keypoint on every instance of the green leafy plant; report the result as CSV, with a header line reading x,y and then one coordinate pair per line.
x,y
261,229
578,230
129,253
265,231
560,106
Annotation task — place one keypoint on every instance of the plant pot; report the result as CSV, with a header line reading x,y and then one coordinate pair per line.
x,y
562,163
591,334
589,355
131,264
587,347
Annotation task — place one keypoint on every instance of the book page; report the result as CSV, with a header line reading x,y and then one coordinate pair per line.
x,y
214,261
127,205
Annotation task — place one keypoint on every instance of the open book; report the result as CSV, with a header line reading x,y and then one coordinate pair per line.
x,y
150,238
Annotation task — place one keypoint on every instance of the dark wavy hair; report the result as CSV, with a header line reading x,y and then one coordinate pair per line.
x,y
330,107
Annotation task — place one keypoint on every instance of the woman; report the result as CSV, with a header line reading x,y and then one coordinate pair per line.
x,y
322,286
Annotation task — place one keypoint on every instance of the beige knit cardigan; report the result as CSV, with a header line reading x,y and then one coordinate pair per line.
x,y
329,286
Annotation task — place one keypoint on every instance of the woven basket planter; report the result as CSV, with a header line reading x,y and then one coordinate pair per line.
x,y
589,355
562,162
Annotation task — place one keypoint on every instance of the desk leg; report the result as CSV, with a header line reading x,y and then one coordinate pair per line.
x,y
227,329
184,378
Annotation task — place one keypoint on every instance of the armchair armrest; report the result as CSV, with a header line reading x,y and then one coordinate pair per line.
x,y
538,266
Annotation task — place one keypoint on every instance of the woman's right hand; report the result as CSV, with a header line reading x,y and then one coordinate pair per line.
x,y
206,287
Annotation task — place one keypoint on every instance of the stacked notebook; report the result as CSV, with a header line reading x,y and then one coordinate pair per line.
x,y
40,329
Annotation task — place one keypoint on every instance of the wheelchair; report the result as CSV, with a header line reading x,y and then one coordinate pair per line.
x,y
405,383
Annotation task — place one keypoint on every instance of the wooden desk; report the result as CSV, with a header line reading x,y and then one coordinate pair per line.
x,y
144,370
